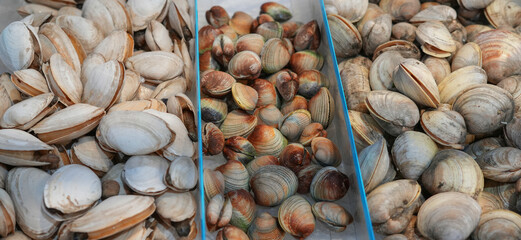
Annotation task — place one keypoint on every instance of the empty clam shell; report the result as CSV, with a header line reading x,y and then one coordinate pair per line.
x,y
30,81
17,148
181,175
265,226
54,40
17,46
103,84
412,153
235,175
329,184
84,30
144,174
333,215
119,45
63,81
273,184
157,37
218,212
139,105
112,184
142,13
108,16
296,217
243,210
151,65
176,207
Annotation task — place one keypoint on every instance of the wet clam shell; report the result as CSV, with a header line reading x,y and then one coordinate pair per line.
x,y
265,227
266,92
245,65
181,175
329,184
231,232
306,60
295,157
273,184
213,110
250,42
213,183
260,162
268,115
278,11
218,212
310,132
244,96
444,126
322,107
243,208
298,102
325,152
267,140
307,36
334,215
292,125
374,164
296,217
310,82
238,148
238,123
236,176
501,164
144,174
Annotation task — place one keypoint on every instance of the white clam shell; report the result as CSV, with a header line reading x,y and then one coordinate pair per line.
x,y
182,174
144,174
17,46
176,207
87,151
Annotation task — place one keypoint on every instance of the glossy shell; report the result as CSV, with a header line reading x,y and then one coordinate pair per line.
x,y
329,184
296,217
273,184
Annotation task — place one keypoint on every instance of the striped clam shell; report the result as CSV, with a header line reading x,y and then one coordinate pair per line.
x,y
213,183
267,140
329,184
333,215
243,208
265,226
296,217
272,184
259,162
235,175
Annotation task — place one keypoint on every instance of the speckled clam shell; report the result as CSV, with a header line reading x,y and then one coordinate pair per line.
x,y
273,184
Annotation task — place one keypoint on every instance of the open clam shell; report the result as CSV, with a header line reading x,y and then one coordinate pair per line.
x,y
55,41
119,45
435,39
63,81
414,79
18,45
296,217
84,30
273,184
30,81
143,13
152,65
27,113
7,217
112,184
108,16
139,105
103,84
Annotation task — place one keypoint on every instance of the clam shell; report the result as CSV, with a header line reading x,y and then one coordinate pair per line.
x,y
27,113
468,55
273,184
439,67
266,92
144,174
176,207
366,130
404,31
375,28
435,222
381,72
238,148
267,140
460,80
444,126
401,10
435,39
63,81
412,153
298,102
139,105
333,215
295,157
250,42
325,152
8,219
310,132
405,48
108,16
68,123
274,55
453,171
213,183
329,184
310,82
265,227
231,232
306,60
17,148
503,13
260,162
213,110
26,188
374,164
270,30
17,46
179,19
119,46
307,36
346,38
151,65
245,65
217,16
322,107
440,13
143,13
181,175
489,202
292,124
296,217
278,11
84,30
218,212
149,133
513,86
103,84
72,189
243,208
501,164
268,115
353,10
157,37
112,183
244,96
55,41
235,176
30,82
286,82
213,139
498,224
414,79
216,83
305,177
223,50
114,215
238,123
500,51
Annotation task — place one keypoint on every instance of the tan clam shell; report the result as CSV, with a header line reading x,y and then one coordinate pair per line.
x,y
157,37
34,8
244,96
69,123
103,84
503,13
131,84
176,207
119,45
27,113
273,184
322,107
151,65
135,233
213,183
54,40
412,153
17,148
91,61
489,202
114,215
440,12
444,126
144,12
179,18
30,82
513,86
268,115
274,55
375,28
108,16
293,123
435,39
498,224
149,133
296,217
468,55
26,188
405,48
439,67
352,9
144,174
238,123
235,175
501,164
139,105
265,226
181,175
63,81
218,212
401,10
144,92
448,215
334,215
414,79
86,151
460,80
84,30
381,72
346,38
7,216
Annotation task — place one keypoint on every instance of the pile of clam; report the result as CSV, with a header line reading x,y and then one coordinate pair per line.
x,y
266,108
97,134
434,92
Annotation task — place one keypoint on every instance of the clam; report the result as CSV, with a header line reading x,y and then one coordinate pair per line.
x,y
238,123
273,184
322,107
500,52
306,60
404,31
144,174
180,20
298,102
286,83
310,82
9,94
278,11
116,46
267,94
444,126
217,16
468,55
440,13
241,22
268,115
439,67
267,140
448,215
68,123
3,176
405,48
182,107
484,107
325,152
243,208
18,45
231,232
63,81
375,28
170,88
8,220
181,175
391,205
244,96
257,163
250,42
440,46
353,10
292,124
295,157
310,132
506,192
27,113
453,171
86,151
290,28
218,212
414,79
245,65
307,36
474,5
381,73
207,35
498,224
108,16
269,30
112,184
72,189
261,19
19,148
84,30
265,227
238,148
217,83
157,37
401,10
30,82
274,55
139,105
513,86
305,176
34,8
346,38
213,183
374,164
501,164
394,112
103,84
179,210
213,139
26,188
296,217
489,202
223,49
213,110
143,13
148,133
503,13
412,153
333,215
235,176
151,65
366,130
329,184
131,84
457,82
